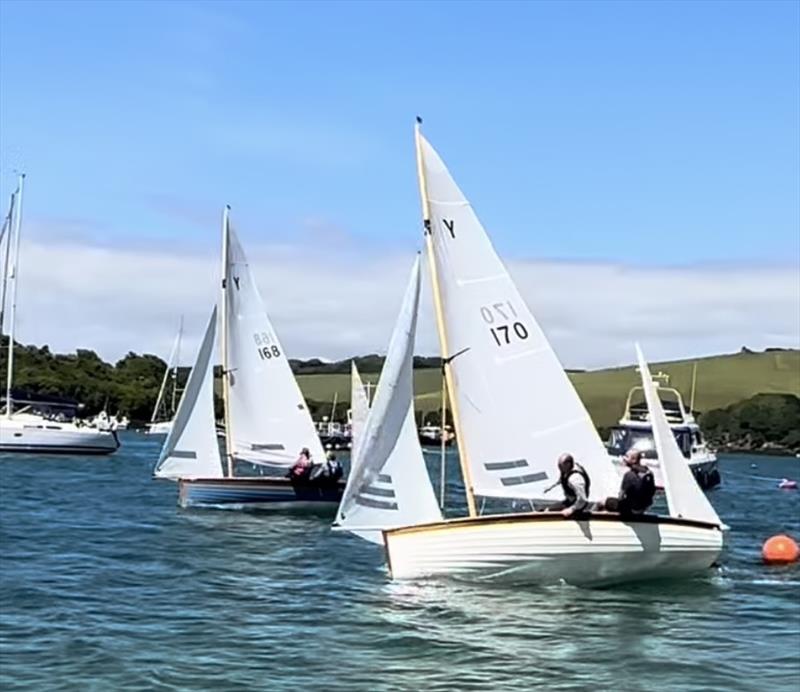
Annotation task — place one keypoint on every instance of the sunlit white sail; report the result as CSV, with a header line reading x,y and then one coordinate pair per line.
x,y
191,449
388,485
268,419
171,371
518,410
359,407
684,497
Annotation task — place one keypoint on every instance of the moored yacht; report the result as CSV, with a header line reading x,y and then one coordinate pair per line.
x,y
634,432
30,426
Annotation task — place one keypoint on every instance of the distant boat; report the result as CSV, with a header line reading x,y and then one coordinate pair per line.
x,y
32,426
266,420
634,432
514,412
164,409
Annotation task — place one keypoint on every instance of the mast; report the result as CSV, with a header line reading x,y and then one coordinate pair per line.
x,y
177,363
224,343
437,304
14,276
6,230
694,386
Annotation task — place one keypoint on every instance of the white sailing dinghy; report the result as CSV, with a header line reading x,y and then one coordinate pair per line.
x,y
388,485
35,426
514,412
165,408
267,422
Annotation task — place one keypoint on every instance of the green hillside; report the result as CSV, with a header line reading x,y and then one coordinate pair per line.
x,y
721,381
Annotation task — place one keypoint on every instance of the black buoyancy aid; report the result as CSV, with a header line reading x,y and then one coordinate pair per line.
x,y
640,488
569,493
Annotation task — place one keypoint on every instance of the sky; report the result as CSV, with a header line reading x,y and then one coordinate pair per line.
x,y
637,166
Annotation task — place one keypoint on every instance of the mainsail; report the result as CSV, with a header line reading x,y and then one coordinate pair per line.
x,y
359,408
191,449
684,497
517,409
268,419
171,371
388,485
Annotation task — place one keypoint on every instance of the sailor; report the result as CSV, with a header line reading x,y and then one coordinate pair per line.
x,y
333,469
575,483
301,467
637,490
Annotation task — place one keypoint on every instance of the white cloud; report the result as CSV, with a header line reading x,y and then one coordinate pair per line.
x,y
333,302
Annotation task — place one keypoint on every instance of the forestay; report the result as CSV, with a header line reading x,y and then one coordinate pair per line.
x,y
359,408
191,449
388,485
518,410
268,417
684,496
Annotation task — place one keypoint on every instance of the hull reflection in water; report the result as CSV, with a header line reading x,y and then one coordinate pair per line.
x,y
259,493
546,549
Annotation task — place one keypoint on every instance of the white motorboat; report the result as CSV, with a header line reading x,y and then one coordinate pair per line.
x,y
514,412
28,426
635,432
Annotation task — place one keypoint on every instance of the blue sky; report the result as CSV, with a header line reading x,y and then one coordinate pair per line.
x,y
643,132
630,137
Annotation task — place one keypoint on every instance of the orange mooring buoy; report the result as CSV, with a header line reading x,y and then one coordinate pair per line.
x,y
780,550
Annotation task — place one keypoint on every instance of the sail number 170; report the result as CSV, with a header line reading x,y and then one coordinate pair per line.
x,y
503,334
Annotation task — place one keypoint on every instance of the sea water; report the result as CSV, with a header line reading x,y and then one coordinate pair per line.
x,y
105,584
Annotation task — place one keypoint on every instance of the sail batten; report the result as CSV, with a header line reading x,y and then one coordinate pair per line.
x,y
388,484
191,449
514,397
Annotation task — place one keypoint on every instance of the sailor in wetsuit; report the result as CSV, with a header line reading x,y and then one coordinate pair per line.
x,y
575,484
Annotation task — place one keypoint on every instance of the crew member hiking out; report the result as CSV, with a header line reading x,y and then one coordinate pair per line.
x,y
302,467
575,484
637,490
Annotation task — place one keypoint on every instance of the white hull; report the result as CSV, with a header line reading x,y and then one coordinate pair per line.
x,y
34,434
161,428
541,548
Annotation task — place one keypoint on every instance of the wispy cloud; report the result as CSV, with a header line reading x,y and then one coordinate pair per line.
x,y
337,299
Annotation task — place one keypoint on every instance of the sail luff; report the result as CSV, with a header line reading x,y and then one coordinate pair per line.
x,y
224,342
8,233
685,499
466,472
13,311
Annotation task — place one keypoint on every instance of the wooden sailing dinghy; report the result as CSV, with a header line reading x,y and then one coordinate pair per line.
x,y
514,412
267,421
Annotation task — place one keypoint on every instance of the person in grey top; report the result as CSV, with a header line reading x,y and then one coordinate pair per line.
x,y
575,484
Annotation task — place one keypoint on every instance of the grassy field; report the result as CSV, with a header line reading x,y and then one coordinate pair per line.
x,y
721,380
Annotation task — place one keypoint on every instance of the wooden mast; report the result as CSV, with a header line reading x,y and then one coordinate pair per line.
x,y
224,344
437,304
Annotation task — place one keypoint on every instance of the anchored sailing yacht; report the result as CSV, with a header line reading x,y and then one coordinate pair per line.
x,y
28,426
164,410
634,431
266,419
514,412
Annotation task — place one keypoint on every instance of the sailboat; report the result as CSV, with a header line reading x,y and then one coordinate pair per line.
x,y
29,425
266,419
164,409
388,485
514,412
359,407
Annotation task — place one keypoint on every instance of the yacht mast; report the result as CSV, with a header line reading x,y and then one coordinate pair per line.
x,y
14,276
224,343
437,304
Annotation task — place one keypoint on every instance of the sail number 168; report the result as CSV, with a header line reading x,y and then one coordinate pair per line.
x,y
503,334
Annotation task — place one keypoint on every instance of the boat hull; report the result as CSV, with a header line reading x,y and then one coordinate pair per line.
x,y
546,548
259,493
38,436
